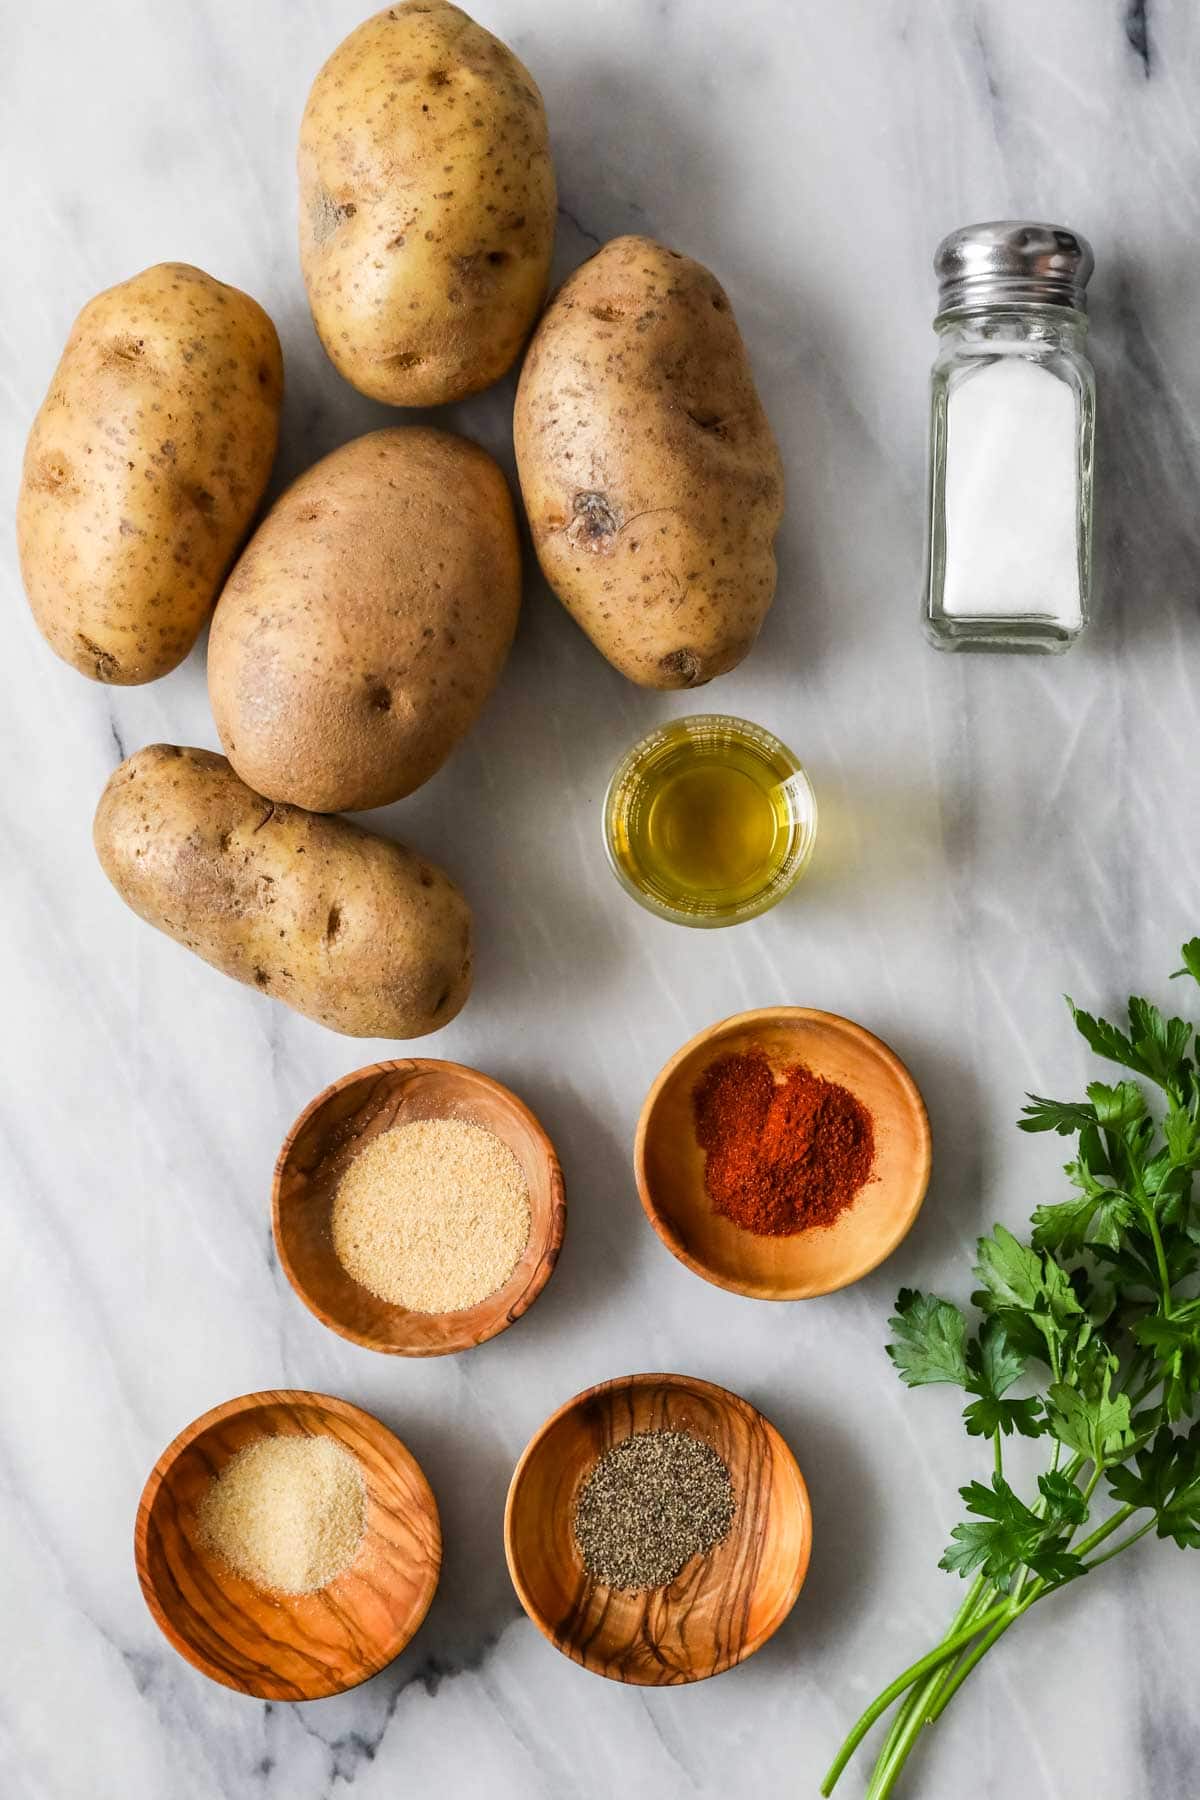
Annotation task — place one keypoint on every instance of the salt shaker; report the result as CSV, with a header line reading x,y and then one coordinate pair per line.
x,y
1009,552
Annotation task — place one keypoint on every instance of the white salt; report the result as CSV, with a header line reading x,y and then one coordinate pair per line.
x,y
1012,525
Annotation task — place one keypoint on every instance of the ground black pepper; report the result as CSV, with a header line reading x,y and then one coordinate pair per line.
x,y
649,1505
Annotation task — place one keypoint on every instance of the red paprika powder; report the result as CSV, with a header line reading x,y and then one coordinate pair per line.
x,y
784,1155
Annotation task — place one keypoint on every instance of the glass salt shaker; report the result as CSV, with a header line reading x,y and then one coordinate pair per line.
x,y
1009,549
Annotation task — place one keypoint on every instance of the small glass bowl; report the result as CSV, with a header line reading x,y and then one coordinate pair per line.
x,y
712,738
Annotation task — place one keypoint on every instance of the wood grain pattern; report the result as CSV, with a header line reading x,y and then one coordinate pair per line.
x,y
722,1607
669,1163
316,1153
282,1646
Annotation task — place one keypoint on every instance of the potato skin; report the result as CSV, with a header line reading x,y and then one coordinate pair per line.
x,y
145,467
427,205
348,928
366,621
648,469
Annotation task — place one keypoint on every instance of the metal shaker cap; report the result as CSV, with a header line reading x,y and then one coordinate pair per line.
x,y
1014,262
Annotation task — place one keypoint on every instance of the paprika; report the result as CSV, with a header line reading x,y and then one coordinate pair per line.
x,y
781,1155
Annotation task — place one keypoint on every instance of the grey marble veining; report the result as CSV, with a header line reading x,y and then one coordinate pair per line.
x,y
994,832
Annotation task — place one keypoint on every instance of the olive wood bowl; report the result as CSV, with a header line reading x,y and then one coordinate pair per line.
x,y
323,1142
288,1646
669,1163
721,1607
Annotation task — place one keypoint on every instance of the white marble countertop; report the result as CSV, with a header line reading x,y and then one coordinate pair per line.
x,y
993,832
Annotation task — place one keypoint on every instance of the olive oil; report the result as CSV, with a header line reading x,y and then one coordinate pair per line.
x,y
710,830
709,820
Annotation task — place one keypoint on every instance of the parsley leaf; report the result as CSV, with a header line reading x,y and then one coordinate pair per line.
x,y
1179,1510
1106,1040
1098,1216
1161,1044
1156,1047
1101,1212
931,1335
1007,1535
1011,1274
1031,1294
1166,1479
1181,1128
1117,1107
1090,1418
1064,1116
1175,1343
994,1365
1191,960
1064,1502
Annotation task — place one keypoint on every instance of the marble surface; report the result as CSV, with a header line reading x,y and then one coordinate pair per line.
x,y
993,832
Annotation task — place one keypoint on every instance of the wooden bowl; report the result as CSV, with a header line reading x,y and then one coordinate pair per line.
x,y
283,1646
670,1163
721,1607
323,1142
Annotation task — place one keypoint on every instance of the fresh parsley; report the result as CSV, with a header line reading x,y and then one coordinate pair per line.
x,y
1096,1318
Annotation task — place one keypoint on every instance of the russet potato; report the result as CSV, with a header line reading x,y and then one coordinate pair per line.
x,y
648,469
145,467
427,205
366,621
347,927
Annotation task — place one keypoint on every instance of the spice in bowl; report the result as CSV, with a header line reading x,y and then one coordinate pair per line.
x,y
782,1154
287,1513
432,1215
648,1506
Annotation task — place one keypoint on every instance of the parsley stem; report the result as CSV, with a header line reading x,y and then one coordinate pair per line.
x,y
934,1698
977,1599
974,1656
927,1704
1160,1257
894,1757
1040,1586
911,1717
1123,1545
974,1632
999,1451
948,1647
1106,1530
